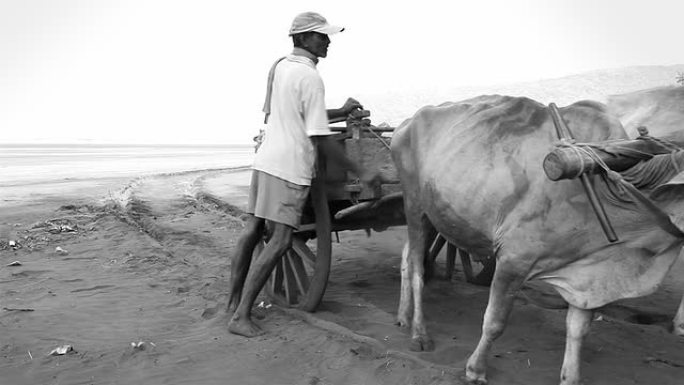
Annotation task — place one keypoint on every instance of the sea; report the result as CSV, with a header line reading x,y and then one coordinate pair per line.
x,y
23,164
39,171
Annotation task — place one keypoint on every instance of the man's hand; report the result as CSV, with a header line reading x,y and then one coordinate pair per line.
x,y
340,114
350,105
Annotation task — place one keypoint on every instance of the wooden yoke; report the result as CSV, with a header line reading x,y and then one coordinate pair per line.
x,y
573,159
563,132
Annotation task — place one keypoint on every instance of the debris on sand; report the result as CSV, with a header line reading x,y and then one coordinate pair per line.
x,y
142,345
62,350
57,225
11,244
15,263
16,309
61,251
662,362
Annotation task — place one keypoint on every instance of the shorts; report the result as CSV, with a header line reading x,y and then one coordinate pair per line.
x,y
276,199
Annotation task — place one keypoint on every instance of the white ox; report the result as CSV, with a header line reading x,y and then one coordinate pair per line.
x,y
660,109
473,171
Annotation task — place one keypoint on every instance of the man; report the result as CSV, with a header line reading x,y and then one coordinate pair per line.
x,y
297,125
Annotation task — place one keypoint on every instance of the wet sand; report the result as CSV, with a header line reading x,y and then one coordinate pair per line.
x,y
147,260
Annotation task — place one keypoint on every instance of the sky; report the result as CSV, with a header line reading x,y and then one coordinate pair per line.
x,y
194,72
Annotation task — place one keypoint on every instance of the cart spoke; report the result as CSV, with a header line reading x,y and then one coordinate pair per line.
x,y
451,260
290,281
299,272
277,278
467,266
299,246
437,247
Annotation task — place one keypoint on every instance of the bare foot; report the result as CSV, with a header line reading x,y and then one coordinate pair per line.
x,y
244,327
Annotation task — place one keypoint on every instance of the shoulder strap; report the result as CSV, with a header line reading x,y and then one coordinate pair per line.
x,y
269,90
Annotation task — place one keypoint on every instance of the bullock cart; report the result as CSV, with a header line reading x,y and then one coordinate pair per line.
x,y
339,202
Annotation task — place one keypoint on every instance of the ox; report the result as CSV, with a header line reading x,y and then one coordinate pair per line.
x,y
473,172
660,109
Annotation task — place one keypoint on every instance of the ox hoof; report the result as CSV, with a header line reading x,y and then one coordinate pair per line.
x,y
402,323
421,344
475,377
678,329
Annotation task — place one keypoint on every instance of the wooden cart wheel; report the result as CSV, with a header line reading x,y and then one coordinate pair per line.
x,y
301,276
476,272
434,247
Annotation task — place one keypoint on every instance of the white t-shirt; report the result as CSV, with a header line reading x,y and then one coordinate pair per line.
x,y
297,113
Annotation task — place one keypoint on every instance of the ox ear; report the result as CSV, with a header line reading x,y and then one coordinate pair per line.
x,y
676,183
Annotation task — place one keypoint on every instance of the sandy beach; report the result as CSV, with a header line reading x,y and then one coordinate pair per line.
x,y
127,128
134,275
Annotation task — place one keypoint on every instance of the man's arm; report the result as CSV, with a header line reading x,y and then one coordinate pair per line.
x,y
350,105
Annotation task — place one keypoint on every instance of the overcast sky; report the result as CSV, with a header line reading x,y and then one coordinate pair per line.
x,y
170,71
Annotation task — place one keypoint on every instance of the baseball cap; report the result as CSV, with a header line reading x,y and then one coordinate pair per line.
x,y
312,21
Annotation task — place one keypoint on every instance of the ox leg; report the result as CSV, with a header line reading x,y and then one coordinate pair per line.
x,y
405,297
420,340
414,269
501,297
678,322
577,325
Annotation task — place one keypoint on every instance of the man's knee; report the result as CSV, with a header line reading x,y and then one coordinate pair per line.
x,y
281,239
253,225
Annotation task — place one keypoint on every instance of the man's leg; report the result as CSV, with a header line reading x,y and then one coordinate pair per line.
x,y
280,241
239,265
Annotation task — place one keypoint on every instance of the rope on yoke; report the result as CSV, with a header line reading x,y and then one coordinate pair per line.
x,y
663,142
379,137
563,132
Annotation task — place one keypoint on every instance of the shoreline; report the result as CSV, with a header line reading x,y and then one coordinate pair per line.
x,y
133,175
89,189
